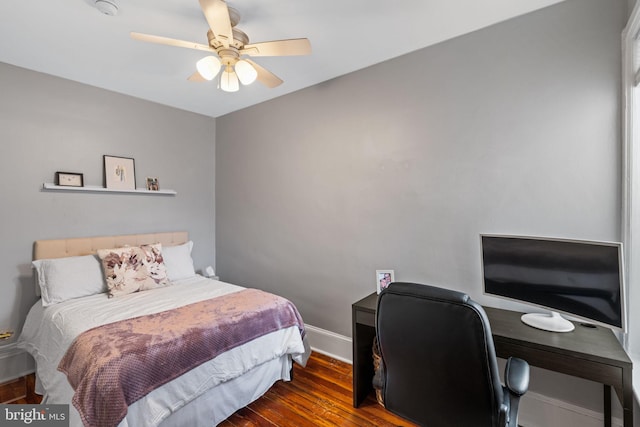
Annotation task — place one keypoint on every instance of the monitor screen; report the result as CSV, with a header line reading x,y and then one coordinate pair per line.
x,y
578,278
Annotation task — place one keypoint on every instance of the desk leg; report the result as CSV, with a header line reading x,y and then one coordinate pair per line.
x,y
627,399
607,405
362,362
627,417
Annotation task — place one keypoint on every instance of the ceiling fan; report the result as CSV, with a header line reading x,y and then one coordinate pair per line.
x,y
231,47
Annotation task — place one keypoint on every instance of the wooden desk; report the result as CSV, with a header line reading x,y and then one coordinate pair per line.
x,y
363,315
591,353
587,352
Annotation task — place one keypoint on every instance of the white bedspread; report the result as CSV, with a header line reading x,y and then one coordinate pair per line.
x,y
49,331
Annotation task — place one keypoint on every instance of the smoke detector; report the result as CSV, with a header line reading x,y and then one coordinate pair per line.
x,y
108,7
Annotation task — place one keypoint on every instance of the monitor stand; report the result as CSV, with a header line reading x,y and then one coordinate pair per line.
x,y
549,322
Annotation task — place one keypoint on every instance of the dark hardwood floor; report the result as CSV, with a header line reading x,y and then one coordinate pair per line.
x,y
319,395
19,391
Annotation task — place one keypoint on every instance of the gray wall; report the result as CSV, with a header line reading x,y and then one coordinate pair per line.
x,y
49,124
511,129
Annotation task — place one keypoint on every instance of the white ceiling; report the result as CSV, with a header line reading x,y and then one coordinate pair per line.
x,y
73,40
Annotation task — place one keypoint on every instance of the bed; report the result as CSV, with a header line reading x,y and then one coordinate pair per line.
x,y
204,393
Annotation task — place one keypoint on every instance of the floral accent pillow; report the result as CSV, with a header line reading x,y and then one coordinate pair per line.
x,y
133,269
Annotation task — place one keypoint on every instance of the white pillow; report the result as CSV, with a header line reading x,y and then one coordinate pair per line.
x,y
61,279
178,261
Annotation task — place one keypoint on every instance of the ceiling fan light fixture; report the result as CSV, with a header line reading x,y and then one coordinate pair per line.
x,y
208,67
246,73
229,80
229,44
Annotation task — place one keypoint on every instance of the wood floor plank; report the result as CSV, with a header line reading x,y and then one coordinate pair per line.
x,y
370,413
14,390
280,413
314,412
320,395
325,385
322,392
328,409
246,417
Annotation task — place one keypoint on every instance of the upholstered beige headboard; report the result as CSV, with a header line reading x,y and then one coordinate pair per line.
x,y
61,248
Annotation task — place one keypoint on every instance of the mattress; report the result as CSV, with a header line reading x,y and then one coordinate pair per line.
x,y
48,332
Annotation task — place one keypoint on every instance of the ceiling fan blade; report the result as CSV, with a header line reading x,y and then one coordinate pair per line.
x,y
170,42
265,76
217,14
288,47
196,77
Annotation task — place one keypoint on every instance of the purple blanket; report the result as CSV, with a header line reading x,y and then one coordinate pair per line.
x,y
112,366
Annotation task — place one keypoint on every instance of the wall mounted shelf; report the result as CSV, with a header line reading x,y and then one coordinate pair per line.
x,y
47,186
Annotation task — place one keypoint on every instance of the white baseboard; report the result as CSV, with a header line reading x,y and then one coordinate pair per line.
x,y
329,343
536,410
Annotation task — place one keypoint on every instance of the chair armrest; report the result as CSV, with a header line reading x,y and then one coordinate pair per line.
x,y
516,376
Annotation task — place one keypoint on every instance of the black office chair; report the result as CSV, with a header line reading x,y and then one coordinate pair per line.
x,y
438,363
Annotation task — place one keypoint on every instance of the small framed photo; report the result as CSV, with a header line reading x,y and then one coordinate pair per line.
x,y
69,179
119,173
384,279
152,184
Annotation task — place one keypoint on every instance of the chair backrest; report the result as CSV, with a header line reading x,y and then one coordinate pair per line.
x,y
439,360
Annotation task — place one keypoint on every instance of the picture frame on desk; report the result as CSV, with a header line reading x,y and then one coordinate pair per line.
x,y
119,173
384,279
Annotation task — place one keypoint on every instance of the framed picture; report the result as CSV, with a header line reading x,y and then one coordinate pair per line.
x,y
152,184
69,179
383,279
119,173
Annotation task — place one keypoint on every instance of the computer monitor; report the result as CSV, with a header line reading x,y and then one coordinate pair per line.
x,y
579,278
